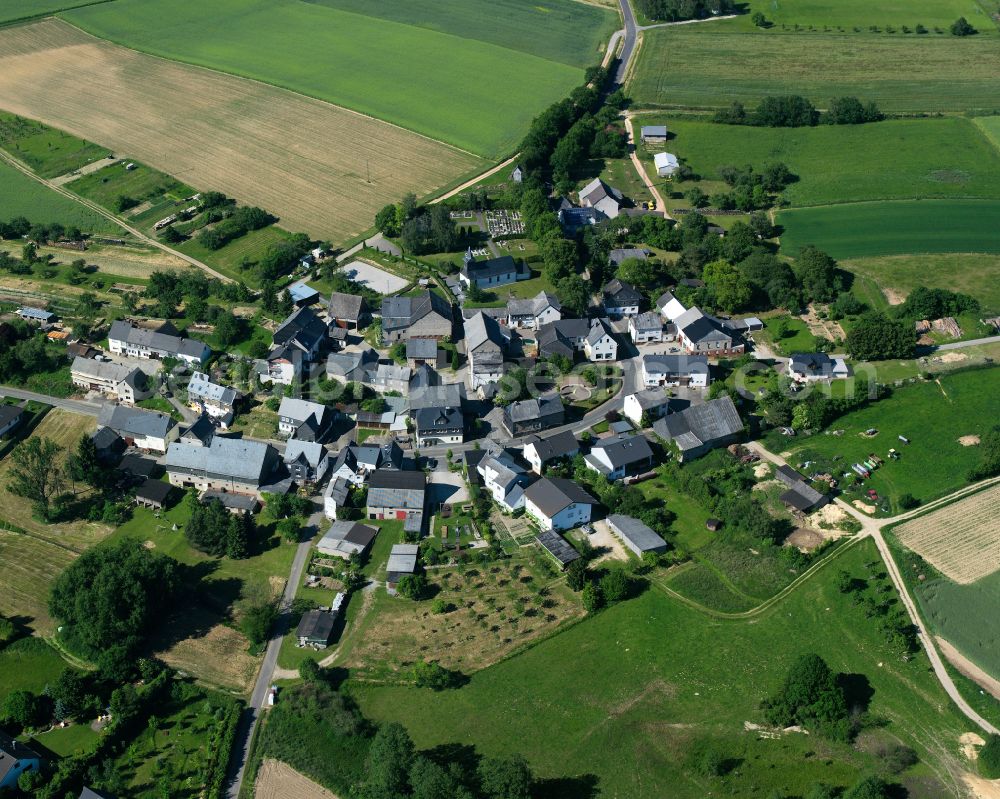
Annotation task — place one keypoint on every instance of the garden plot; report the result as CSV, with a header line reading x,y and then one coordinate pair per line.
x,y
374,278
961,540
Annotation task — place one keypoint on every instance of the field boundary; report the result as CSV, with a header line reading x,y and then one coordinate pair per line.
x,y
283,87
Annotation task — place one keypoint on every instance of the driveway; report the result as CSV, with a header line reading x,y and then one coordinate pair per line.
x,y
445,486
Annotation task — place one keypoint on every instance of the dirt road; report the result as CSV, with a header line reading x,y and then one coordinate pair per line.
x,y
641,169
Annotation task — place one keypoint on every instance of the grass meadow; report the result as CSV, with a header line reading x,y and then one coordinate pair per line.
x,y
557,30
28,664
415,77
970,273
620,700
48,151
933,415
866,230
947,157
141,184
25,9
684,67
23,196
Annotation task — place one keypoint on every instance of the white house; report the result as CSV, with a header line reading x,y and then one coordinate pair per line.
x,y
218,401
652,402
335,497
504,480
619,456
283,366
813,367
302,419
124,339
539,451
111,379
621,299
558,504
691,371
532,314
666,164
645,327
670,307
144,429
600,344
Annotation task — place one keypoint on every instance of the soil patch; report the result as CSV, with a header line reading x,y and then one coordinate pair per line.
x,y
968,441
805,540
277,780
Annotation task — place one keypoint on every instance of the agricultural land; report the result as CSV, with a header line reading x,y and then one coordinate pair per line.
x,y
207,128
321,51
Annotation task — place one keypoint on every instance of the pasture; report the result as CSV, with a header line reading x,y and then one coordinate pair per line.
x,y
949,157
48,152
961,540
134,262
30,566
897,275
620,700
934,415
319,168
23,196
28,664
898,227
472,94
684,67
139,184
564,31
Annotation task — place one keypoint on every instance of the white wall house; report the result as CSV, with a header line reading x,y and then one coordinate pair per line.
x,y
666,164
558,504
600,345
651,402
691,371
645,328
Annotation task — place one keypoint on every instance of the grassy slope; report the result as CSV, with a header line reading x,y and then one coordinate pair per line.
x,y
864,230
932,416
414,77
22,9
622,696
22,196
978,275
565,31
692,66
930,157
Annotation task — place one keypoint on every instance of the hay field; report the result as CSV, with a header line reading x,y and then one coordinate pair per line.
x,y
131,262
277,780
302,159
687,67
961,540
30,565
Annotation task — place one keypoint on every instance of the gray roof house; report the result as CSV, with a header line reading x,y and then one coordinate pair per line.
x,y
15,758
124,384
619,456
302,419
486,344
352,367
808,367
653,402
603,198
144,429
656,134
618,255
438,426
227,464
534,415
427,315
306,461
539,450
137,342
535,312
557,504
635,535
395,494
621,299
402,560
315,629
347,310
10,417
676,370
344,539
698,332
420,351
492,272
448,395
304,331
700,428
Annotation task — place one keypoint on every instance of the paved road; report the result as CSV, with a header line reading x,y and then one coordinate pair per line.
x,y
958,345
873,528
244,735
628,48
97,209
77,406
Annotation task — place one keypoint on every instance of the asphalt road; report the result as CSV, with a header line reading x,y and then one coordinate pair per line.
x,y
628,48
77,406
248,723
958,345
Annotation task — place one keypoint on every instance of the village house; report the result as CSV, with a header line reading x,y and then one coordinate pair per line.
x,y
352,367
698,332
636,535
147,430
603,198
304,420
235,465
653,134
645,328
10,417
421,352
666,164
620,456
649,404
126,385
558,504
504,480
15,759
621,299
533,313
306,461
669,306
437,426
427,315
540,451
698,429
566,337
348,311
812,367
486,344
216,401
304,331
390,377
491,272
395,494
534,415
282,366
137,342
336,496
345,539
691,371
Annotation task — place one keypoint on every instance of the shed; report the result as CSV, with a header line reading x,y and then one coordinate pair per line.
x,y
315,628
402,561
557,547
637,536
234,503
302,294
654,133
713,524
153,494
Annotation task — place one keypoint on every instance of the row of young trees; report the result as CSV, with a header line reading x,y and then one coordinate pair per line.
x,y
41,233
795,111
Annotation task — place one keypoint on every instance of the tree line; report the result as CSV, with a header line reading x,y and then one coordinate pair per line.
x,y
795,111
678,10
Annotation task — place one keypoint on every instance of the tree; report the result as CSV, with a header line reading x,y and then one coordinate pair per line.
x,y
817,273
208,528
696,197
989,758
505,778
809,696
962,27
23,708
869,788
389,758
7,631
36,473
257,610
614,586
387,221
109,598
574,294
637,271
576,574
591,597
310,670
875,337
732,290
229,328
83,465
69,692
412,586
759,20
434,676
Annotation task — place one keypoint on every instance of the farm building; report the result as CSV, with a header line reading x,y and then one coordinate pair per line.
x,y
153,494
666,164
143,429
344,539
653,134
347,310
635,535
109,445
700,428
10,417
240,466
402,561
395,494
557,547
800,496
302,295
36,316
315,629
234,503
420,351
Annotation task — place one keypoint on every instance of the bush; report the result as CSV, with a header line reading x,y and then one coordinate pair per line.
x,y
435,676
961,27
989,758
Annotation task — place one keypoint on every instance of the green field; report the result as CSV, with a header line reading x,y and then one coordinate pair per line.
x,y
620,699
680,67
933,415
969,273
846,15
557,30
142,184
948,157
27,665
412,76
865,230
991,127
965,616
48,151
23,9
23,196
228,259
